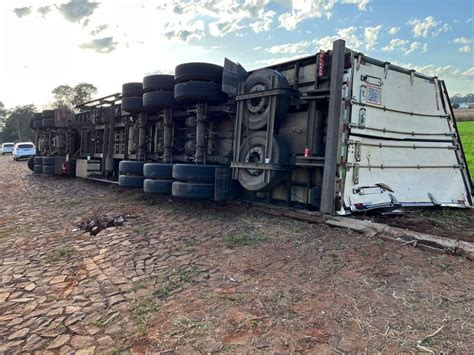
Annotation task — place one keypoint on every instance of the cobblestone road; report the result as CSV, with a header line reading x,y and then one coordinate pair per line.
x,y
196,277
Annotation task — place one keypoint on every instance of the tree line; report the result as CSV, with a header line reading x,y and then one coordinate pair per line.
x,y
456,100
17,120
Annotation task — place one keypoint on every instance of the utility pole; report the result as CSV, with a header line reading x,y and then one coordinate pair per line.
x,y
19,133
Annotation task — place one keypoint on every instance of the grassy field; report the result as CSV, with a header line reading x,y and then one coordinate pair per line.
x,y
466,130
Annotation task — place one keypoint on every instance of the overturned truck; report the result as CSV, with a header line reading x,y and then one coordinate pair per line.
x,y
337,131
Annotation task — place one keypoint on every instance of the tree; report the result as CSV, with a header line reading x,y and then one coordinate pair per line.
x,y
17,125
67,97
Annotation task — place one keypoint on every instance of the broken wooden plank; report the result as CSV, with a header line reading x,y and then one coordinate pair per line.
x,y
422,239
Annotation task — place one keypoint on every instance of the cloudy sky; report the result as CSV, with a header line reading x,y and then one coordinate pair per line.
x,y
46,43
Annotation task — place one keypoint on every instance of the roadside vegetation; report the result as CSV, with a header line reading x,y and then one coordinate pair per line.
x,y
466,130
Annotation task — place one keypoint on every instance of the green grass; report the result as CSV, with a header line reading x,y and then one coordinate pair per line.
x,y
236,240
62,253
466,130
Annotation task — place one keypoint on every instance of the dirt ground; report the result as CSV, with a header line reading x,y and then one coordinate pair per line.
x,y
193,277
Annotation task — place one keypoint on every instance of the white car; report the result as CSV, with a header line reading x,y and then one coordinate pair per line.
x,y
7,148
23,150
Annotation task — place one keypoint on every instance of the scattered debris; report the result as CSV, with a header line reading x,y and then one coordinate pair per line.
x,y
97,224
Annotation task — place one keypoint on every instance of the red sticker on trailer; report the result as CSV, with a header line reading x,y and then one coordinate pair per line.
x,y
374,95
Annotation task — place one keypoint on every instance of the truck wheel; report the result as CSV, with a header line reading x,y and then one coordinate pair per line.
x,y
194,173
158,82
158,186
155,100
252,150
48,161
47,114
256,112
48,169
38,169
133,104
31,163
131,167
158,171
36,117
132,89
47,123
193,190
198,71
191,92
131,181
38,160
37,124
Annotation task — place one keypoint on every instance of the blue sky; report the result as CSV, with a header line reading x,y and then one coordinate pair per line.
x,y
47,43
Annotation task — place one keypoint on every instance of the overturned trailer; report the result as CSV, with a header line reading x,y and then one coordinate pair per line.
x,y
337,132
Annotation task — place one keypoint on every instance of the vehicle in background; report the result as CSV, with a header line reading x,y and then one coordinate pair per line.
x,y
7,148
23,150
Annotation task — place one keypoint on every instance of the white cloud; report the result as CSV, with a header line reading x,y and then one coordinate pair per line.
x,y
303,10
310,9
439,71
361,4
222,27
394,30
444,28
463,40
271,61
421,28
465,49
297,47
394,44
468,73
413,47
219,17
354,40
371,35
264,24
184,31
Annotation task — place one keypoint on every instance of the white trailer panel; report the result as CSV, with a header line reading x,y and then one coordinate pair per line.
x,y
401,146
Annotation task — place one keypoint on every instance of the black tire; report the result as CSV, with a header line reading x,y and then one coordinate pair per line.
x,y
252,150
158,171
256,112
158,186
31,163
193,190
48,169
156,100
131,167
47,114
38,160
38,169
132,89
194,173
36,117
198,71
191,92
131,181
36,124
133,104
47,123
158,82
48,161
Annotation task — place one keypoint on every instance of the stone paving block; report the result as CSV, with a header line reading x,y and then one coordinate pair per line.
x,y
59,341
